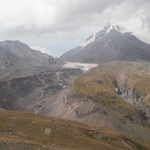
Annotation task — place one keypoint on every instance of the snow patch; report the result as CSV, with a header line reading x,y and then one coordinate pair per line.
x,y
116,89
110,28
41,49
116,27
89,41
82,66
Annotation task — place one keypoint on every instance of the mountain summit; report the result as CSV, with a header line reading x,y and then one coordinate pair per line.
x,y
101,34
14,54
109,44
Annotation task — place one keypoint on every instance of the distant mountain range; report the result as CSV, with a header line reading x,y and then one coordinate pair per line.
x,y
109,44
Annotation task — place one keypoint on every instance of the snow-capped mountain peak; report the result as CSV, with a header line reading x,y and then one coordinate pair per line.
x,y
102,33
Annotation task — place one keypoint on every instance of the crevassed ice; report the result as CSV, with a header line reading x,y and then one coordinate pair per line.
x,y
82,66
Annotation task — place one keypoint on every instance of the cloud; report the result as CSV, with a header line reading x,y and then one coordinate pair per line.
x,y
77,40
48,16
41,49
39,22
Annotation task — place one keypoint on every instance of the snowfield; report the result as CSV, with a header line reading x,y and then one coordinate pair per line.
x,y
116,27
82,66
89,41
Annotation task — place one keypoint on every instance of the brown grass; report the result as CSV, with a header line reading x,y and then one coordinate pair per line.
x,y
27,131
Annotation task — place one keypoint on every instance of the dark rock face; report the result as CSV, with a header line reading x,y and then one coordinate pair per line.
x,y
12,90
106,46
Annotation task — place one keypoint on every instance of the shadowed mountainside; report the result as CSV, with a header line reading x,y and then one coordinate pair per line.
x,y
30,92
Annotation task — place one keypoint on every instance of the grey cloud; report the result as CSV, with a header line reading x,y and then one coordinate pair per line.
x,y
39,16
31,20
42,16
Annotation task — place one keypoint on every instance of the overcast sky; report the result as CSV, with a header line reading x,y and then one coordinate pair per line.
x,y
56,26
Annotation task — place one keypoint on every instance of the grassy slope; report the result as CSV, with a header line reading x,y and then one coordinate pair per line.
x,y
99,81
20,131
97,84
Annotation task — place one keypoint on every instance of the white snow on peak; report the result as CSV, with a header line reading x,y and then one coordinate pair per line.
x,y
109,29
82,66
106,30
90,40
116,27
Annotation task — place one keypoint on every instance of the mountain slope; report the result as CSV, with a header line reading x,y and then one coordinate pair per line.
x,y
108,45
23,131
14,54
30,92
101,97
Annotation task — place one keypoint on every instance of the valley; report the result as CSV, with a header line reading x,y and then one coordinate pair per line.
x,y
94,96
